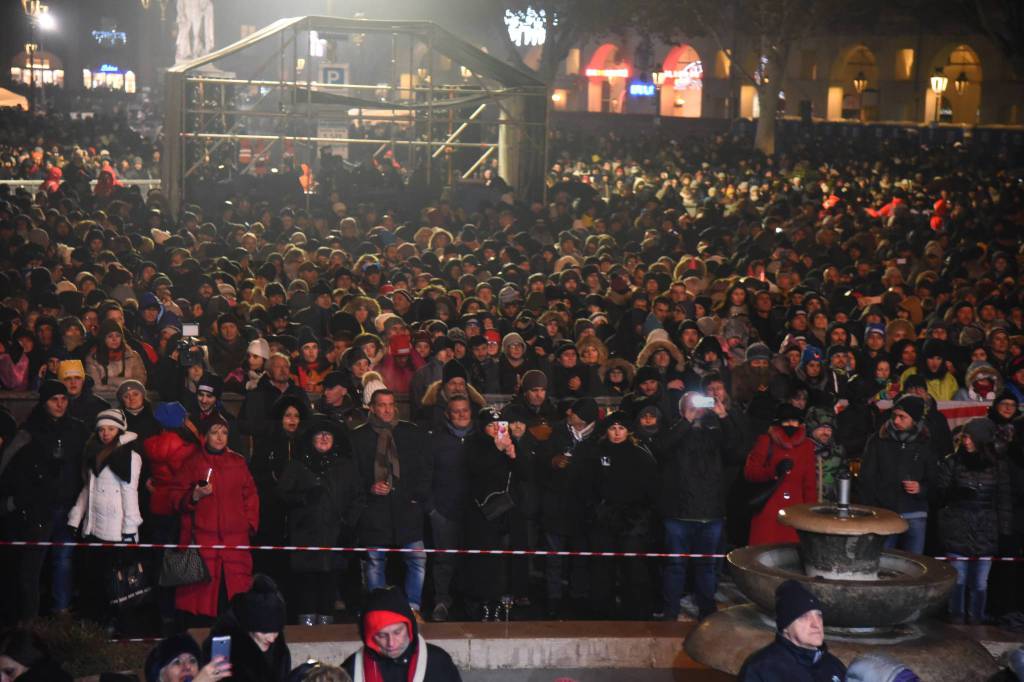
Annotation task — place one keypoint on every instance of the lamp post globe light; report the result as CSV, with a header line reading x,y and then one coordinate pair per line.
x,y
960,84
860,83
939,82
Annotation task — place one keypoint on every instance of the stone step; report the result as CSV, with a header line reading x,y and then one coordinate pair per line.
x,y
576,651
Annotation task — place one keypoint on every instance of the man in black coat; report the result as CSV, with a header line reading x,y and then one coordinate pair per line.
x,y
695,454
40,477
395,476
560,473
898,469
448,454
393,647
798,653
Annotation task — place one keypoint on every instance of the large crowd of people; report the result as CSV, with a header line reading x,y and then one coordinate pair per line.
x,y
683,339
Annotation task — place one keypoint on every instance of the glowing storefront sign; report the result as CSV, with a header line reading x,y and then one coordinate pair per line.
x,y
689,77
641,89
109,68
607,73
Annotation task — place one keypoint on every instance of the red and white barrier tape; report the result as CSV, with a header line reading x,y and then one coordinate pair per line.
x,y
405,550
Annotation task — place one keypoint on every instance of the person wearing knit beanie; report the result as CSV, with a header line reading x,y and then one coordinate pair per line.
x,y
453,369
112,417
50,388
799,650
259,347
170,415
129,385
911,405
534,379
177,658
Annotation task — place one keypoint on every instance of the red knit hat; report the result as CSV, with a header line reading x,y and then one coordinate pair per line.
x,y
375,621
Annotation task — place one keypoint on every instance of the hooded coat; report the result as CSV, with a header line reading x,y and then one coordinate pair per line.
x,y
368,664
798,486
229,516
322,496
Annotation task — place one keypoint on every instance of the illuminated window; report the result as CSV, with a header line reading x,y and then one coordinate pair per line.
x,y
129,82
722,65
572,62
87,79
904,64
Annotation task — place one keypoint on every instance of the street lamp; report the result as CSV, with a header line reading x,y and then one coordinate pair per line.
x,y
860,83
938,83
960,84
658,78
38,17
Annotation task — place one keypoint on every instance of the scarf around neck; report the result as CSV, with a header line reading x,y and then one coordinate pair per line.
x,y
386,466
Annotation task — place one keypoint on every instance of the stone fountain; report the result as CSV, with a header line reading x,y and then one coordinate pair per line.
x,y
873,599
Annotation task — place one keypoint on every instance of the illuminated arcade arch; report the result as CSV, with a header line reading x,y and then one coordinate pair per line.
x,y
961,102
683,88
607,75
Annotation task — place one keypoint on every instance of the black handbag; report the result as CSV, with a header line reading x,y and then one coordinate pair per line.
x,y
497,503
129,582
183,566
760,493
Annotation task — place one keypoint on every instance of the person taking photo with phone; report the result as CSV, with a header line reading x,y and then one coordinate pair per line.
x,y
216,497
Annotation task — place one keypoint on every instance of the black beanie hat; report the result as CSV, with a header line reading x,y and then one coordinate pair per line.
x,y
166,651
912,405
786,412
646,373
620,417
453,369
792,600
261,609
487,415
585,409
50,388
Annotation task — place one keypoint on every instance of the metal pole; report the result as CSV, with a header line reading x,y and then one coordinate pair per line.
x,y
483,157
454,136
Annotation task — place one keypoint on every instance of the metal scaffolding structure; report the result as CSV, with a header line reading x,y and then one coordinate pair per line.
x,y
307,88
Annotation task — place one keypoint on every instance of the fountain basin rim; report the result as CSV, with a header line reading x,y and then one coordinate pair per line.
x,y
932,570
805,517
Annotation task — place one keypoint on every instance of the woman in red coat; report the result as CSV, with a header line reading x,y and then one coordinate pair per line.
x,y
166,453
784,452
216,496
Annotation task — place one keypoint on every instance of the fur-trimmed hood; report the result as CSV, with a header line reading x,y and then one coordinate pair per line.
x,y
626,366
602,350
358,301
433,393
651,347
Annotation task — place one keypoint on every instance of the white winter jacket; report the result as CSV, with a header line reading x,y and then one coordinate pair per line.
x,y
108,506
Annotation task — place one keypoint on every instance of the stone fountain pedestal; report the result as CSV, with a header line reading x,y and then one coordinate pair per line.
x,y
936,652
872,599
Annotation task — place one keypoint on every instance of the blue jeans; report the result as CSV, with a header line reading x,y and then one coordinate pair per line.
x,y
415,569
698,537
972,574
32,561
912,539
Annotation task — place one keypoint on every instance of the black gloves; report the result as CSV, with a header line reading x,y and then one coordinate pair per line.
x,y
783,467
